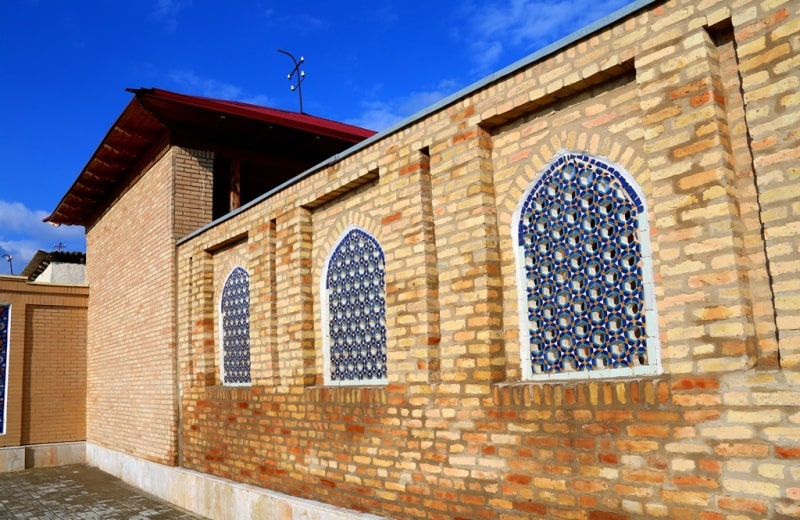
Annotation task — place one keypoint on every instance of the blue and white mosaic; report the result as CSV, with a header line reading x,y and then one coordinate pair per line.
x,y
5,313
357,309
235,309
579,234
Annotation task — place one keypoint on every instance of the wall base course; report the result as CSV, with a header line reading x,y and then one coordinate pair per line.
x,y
210,496
41,456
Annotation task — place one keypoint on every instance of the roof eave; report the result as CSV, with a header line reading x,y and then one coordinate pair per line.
x,y
132,105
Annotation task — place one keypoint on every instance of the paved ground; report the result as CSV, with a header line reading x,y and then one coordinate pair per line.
x,y
78,493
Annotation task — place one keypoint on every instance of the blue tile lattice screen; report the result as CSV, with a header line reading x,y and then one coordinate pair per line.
x,y
578,231
235,308
357,309
5,312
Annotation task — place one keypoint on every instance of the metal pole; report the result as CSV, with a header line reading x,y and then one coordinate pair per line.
x,y
9,258
301,75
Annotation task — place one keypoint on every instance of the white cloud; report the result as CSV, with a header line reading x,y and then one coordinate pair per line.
x,y
167,11
309,23
266,12
18,218
23,232
20,251
380,115
377,115
191,83
525,25
299,22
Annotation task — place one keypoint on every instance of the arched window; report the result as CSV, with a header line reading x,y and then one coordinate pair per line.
x,y
235,317
5,323
354,311
584,273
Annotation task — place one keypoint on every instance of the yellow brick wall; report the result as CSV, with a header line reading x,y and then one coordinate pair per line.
x,y
46,399
194,186
131,400
697,102
54,400
768,56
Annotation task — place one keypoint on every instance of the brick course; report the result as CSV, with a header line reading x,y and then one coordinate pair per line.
x,y
696,101
46,399
131,396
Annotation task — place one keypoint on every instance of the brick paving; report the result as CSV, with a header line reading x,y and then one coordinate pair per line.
x,y
78,492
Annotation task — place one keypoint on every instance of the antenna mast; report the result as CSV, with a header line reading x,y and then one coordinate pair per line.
x,y
9,258
301,75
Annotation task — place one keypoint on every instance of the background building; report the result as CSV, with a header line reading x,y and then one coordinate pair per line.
x,y
65,267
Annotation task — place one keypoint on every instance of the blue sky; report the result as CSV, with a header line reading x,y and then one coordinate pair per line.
x,y
371,63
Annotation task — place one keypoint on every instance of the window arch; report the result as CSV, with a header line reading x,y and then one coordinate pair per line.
x,y
235,330
584,273
354,311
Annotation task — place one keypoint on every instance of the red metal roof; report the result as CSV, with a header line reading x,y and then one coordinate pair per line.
x,y
156,117
162,99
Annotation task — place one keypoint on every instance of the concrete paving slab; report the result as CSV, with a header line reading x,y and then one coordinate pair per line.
x,y
78,492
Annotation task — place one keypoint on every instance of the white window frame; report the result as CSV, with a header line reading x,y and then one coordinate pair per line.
x,y
325,315
651,319
222,331
4,383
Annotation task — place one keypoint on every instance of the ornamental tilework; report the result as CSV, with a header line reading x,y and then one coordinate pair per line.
x,y
357,309
235,308
5,312
579,234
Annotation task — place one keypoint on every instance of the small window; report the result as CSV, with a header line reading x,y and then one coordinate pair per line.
x,y
584,273
354,311
5,323
235,330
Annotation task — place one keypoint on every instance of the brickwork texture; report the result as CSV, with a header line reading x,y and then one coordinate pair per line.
x,y
131,397
696,100
46,399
